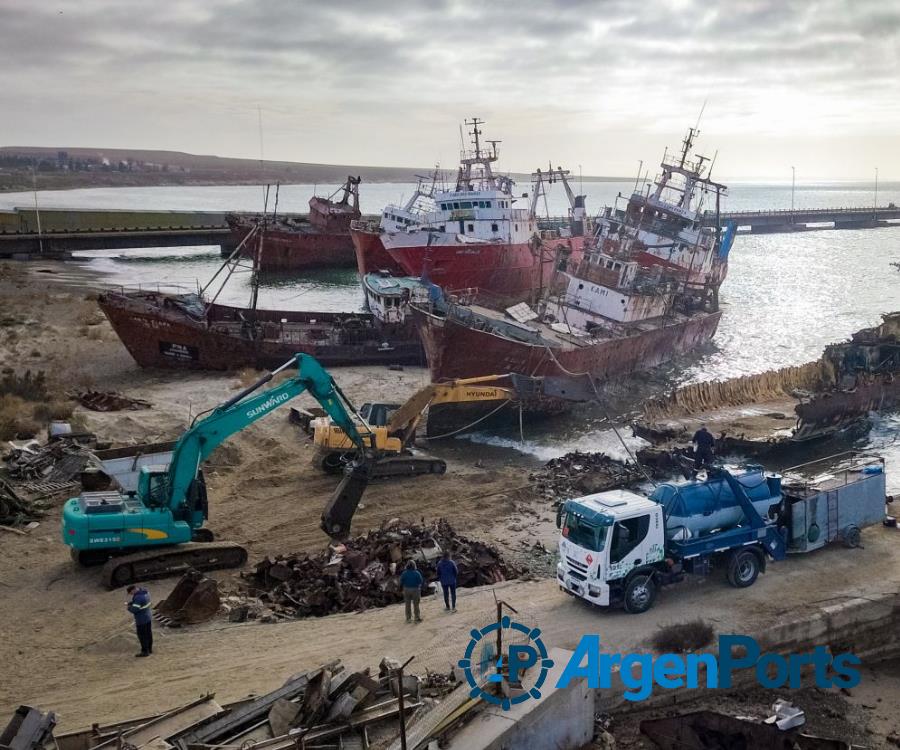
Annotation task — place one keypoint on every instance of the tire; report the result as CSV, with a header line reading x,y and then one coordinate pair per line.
x,y
851,536
743,569
640,594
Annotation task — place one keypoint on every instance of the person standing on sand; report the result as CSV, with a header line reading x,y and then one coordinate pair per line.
x,y
447,574
411,580
139,606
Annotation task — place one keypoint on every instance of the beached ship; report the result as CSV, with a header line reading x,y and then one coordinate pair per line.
x,y
295,242
476,237
645,291
190,330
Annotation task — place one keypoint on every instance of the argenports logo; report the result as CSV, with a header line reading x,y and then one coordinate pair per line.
x,y
484,667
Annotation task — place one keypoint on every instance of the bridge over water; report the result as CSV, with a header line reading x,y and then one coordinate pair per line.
x,y
798,220
56,233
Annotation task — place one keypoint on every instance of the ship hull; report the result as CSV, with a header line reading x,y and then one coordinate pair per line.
x,y
168,339
457,351
513,272
371,255
299,250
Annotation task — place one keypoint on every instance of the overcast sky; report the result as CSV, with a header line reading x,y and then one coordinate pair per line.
x,y
602,84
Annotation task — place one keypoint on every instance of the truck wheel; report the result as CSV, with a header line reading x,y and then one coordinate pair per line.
x,y
743,569
851,536
640,593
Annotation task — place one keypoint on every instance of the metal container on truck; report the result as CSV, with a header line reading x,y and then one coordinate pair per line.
x,y
620,547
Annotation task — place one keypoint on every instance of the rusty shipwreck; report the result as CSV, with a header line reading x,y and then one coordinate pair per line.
x,y
178,328
645,291
296,243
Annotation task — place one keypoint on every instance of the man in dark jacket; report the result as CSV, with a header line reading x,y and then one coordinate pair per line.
x,y
139,606
703,451
411,580
447,573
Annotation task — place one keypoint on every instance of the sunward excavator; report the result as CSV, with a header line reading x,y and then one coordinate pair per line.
x,y
159,529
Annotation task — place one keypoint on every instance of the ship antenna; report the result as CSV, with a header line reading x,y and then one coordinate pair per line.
x,y
638,178
476,132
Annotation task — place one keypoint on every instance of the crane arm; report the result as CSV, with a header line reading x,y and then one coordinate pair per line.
x,y
242,410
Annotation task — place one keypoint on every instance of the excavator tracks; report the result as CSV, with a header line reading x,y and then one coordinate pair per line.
x,y
166,561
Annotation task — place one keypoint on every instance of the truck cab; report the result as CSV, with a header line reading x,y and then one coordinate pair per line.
x,y
604,538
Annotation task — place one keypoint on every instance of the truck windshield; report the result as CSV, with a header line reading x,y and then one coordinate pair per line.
x,y
584,534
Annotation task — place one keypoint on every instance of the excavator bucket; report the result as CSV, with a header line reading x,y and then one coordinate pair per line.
x,y
339,511
194,599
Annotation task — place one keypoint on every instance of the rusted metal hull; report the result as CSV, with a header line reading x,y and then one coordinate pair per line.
x,y
157,334
298,249
371,255
454,350
507,271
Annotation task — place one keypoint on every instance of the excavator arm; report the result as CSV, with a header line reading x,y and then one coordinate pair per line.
x,y
245,408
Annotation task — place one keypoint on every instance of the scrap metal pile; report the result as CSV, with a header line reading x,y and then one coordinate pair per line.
x,y
326,707
581,473
364,572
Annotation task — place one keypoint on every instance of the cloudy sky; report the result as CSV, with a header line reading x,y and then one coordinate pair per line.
x,y
814,84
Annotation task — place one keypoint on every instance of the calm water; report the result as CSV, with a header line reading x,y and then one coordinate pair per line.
x,y
785,298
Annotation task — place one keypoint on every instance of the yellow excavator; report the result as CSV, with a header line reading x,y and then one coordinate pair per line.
x,y
452,407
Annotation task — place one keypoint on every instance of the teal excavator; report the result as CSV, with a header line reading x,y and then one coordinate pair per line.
x,y
159,529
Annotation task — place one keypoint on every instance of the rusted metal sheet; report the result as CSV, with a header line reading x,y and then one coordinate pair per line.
x,y
169,724
28,729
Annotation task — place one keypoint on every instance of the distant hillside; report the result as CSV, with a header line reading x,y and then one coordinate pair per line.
x,y
62,168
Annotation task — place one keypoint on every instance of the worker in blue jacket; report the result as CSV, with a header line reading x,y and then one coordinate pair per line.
x,y
411,580
447,574
139,606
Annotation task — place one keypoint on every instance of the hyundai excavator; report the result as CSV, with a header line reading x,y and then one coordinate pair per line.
x,y
159,529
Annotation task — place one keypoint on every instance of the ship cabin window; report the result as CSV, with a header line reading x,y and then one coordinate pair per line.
x,y
609,264
385,214
494,228
442,228
456,205
471,227
617,266
487,204
517,227
465,204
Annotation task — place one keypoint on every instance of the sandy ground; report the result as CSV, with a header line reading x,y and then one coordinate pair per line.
x,y
68,644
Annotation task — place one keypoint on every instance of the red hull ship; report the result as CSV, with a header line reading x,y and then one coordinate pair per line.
x,y
181,331
371,257
474,237
190,331
645,291
295,243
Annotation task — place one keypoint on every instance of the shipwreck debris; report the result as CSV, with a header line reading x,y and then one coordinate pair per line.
x,y
789,407
364,572
28,729
109,401
580,473
194,599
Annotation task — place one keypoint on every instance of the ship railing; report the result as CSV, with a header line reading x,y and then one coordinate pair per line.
x,y
158,288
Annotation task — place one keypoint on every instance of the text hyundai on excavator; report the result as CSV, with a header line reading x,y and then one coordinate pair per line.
x,y
159,529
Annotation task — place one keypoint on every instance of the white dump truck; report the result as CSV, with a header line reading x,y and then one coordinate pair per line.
x,y
619,547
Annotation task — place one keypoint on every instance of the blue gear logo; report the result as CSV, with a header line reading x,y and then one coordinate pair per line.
x,y
521,657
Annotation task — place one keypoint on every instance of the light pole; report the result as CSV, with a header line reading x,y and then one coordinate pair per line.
x,y
875,211
793,182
